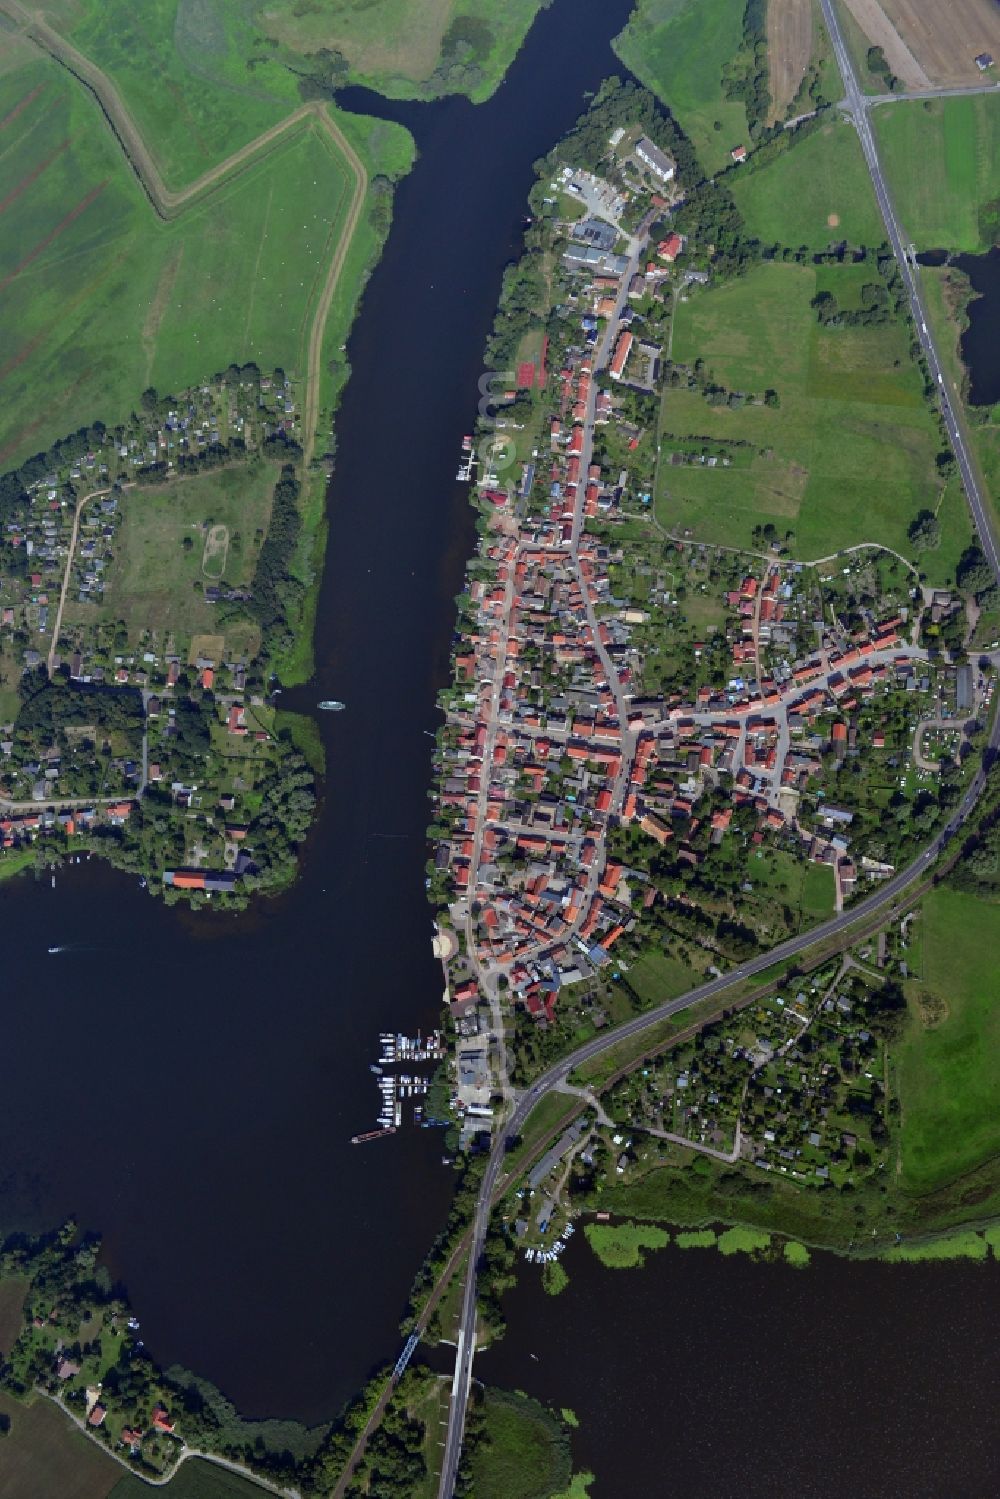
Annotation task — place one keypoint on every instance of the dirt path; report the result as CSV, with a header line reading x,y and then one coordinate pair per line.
x,y
310,415
93,495
169,204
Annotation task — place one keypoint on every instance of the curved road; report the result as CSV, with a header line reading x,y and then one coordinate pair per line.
x,y
857,105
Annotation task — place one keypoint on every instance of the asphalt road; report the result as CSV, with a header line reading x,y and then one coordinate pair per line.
x,y
857,105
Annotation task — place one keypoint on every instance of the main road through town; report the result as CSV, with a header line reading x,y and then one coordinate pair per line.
x,y
856,105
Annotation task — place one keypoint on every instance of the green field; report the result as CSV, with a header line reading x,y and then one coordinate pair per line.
x,y
942,160
949,1075
151,583
678,48
807,888
816,194
181,67
848,455
656,977
99,298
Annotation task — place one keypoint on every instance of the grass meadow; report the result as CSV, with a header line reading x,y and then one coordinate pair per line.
x,y
848,455
99,298
395,45
942,161
193,73
152,581
816,194
949,1073
678,48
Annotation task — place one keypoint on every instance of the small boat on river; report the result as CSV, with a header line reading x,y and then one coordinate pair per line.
x,y
331,705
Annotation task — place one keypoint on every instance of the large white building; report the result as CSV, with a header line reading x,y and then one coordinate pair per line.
x,y
658,162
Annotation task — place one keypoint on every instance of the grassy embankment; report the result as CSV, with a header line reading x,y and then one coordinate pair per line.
x,y
847,456
948,1064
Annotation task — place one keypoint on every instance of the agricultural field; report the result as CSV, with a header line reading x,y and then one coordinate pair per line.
x,y
99,298
193,1480
928,44
789,47
816,194
13,1289
43,1454
847,455
942,160
866,26
172,543
948,1063
678,48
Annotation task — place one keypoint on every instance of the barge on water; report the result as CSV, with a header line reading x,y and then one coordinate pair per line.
x,y
373,1134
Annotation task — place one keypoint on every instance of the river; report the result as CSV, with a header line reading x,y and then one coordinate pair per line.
x,y
187,1084
718,1378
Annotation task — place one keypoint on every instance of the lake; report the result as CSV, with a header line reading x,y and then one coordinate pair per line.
x,y
708,1377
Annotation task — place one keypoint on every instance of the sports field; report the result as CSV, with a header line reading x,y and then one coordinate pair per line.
x,y
816,194
847,456
942,160
678,48
949,1072
100,298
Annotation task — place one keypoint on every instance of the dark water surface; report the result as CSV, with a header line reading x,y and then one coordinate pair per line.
x,y
981,340
188,1085
704,1377
980,343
